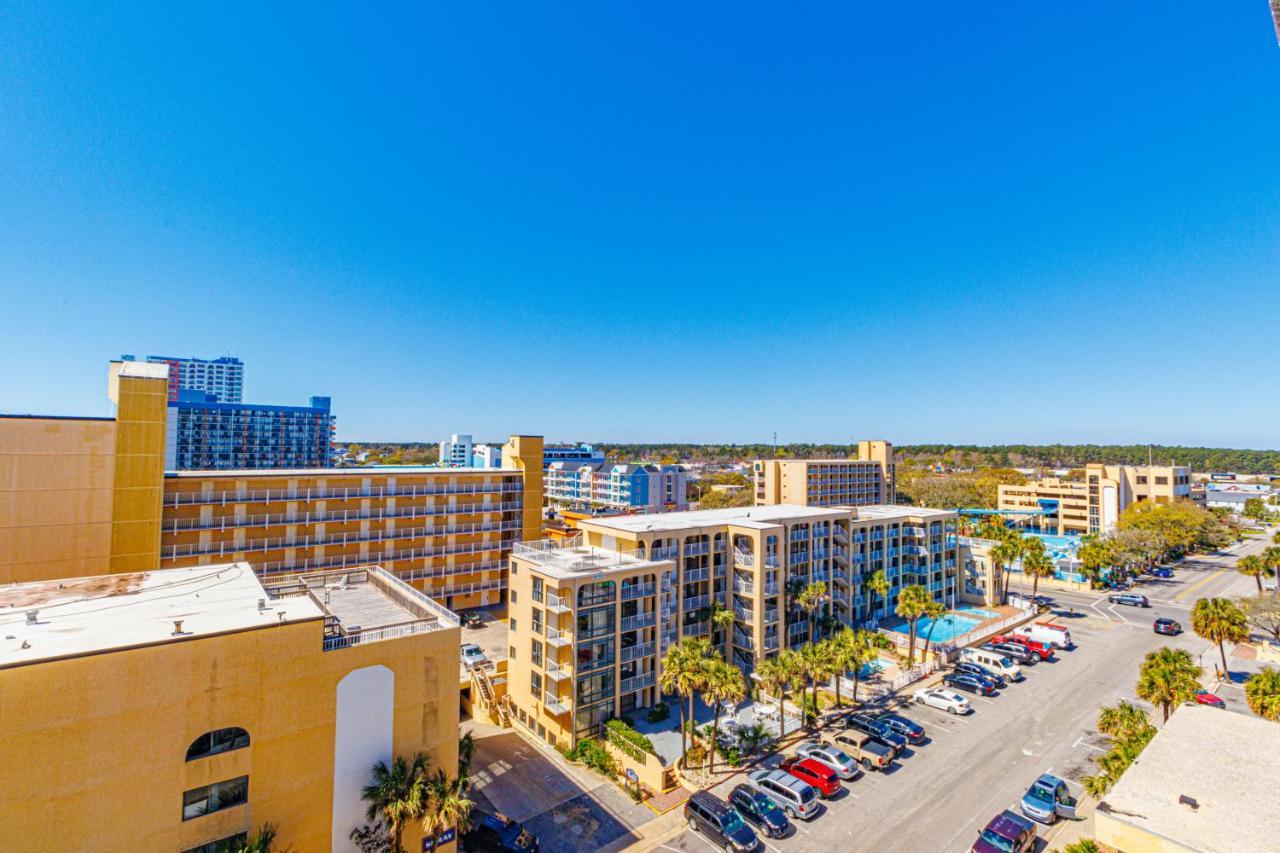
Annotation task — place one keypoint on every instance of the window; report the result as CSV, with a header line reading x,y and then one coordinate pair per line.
x,y
511,652
230,844
596,593
535,686
515,596
511,625
595,623
537,653
537,589
537,621
214,798
216,741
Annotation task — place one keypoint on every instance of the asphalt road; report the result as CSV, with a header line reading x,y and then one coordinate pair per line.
x,y
943,792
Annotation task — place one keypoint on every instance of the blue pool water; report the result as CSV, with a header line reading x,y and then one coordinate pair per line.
x,y
977,611
869,669
950,626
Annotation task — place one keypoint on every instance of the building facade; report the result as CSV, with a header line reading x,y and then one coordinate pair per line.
x,y
591,618
867,480
203,434
221,377
583,453
616,488
196,705
1094,504
457,451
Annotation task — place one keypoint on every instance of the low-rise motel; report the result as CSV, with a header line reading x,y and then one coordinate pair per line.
x,y
182,709
591,618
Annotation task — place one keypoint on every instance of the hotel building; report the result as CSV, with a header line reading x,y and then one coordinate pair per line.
x,y
868,479
617,488
1094,504
204,434
591,618
183,709
572,453
91,496
221,377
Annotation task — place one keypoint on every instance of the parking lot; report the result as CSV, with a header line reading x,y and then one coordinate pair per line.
x,y
970,768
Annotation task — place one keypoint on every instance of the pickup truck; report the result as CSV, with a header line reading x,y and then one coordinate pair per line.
x,y
871,752
1034,646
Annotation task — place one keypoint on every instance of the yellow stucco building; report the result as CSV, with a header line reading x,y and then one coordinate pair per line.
x,y
1093,504
182,709
870,478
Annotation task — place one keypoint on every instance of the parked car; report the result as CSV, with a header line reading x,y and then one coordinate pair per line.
x,y
824,753
1048,799
797,799
969,683
1204,697
1117,583
908,728
473,656
1042,650
1132,599
943,700
714,818
472,620
1013,652
1048,632
1006,833
869,724
821,777
869,750
970,668
1161,572
759,810
1167,626
493,832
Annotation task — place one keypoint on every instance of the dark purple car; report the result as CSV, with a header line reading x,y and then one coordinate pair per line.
x,y
1007,833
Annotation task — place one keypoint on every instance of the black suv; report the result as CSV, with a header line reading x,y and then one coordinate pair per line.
x,y
712,816
882,731
759,811
496,833
1020,654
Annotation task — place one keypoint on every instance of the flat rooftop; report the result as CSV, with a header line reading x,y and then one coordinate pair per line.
x,y
576,561
80,616
745,516
888,511
379,470
1225,761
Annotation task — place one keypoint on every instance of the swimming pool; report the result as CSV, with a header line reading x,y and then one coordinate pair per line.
x,y
977,611
871,668
950,626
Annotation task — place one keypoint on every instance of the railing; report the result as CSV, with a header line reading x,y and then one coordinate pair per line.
x,y
556,637
556,671
508,484
556,604
743,559
554,703
746,614
771,561
771,615
178,525
282,542
697,629
637,591
696,549
666,552
375,635
743,639
770,587
771,643
640,620
695,602
720,570
797,559
638,682
640,650
701,574
744,587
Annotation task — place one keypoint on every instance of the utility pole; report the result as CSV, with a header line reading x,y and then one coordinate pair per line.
x,y
775,444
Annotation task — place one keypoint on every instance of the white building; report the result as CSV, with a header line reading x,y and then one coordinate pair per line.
x,y
645,487
457,451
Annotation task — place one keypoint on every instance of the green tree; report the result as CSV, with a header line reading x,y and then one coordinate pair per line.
x,y
1254,567
811,599
1271,558
812,662
778,675
724,686
1123,721
1219,621
1084,845
1262,692
1036,563
683,670
877,585
1095,554
397,795
721,616
466,752
912,603
448,806
932,610
1263,614
262,841
1004,553
1168,677
1254,508
845,654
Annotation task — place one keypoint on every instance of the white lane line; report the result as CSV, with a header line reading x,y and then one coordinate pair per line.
x,y
1080,742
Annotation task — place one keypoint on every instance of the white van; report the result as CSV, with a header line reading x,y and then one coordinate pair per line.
x,y
1002,664
1047,633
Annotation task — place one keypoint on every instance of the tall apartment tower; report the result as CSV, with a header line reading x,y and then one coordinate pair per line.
x,y
457,451
203,434
222,377
869,479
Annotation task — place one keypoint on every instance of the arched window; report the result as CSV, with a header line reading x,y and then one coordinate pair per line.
x,y
216,741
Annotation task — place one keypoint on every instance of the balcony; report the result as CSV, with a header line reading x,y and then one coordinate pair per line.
x,y
555,704
800,558
640,620
269,495
666,552
696,549
771,643
556,604
692,575
770,587
771,561
744,587
639,650
691,604
771,615
639,682
558,638
743,640
743,559
820,553
697,629
556,672
721,570
745,614
821,574
630,593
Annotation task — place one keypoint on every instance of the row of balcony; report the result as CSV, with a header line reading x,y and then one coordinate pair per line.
x,y
176,525
509,485
277,543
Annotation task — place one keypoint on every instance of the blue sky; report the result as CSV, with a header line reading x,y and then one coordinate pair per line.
x,y
988,222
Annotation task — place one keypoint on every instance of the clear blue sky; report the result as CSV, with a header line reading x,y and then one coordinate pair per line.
x,y
929,221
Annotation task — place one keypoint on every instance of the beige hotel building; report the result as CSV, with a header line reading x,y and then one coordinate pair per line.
x,y
868,479
1094,504
590,619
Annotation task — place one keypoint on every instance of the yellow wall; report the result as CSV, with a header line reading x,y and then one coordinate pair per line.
x,y
524,453
141,406
92,749
1126,837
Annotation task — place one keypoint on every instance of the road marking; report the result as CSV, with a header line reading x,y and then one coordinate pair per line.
x,y
1198,584
1080,742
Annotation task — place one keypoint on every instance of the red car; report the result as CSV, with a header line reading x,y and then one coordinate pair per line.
x,y
1204,697
1036,647
819,775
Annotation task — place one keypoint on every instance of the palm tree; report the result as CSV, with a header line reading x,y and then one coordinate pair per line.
x,y
866,643
725,686
1123,721
1084,845
683,668
398,794
1219,621
721,616
815,664
1271,559
466,751
778,675
877,584
932,610
1262,692
1097,785
912,602
1167,678
752,737
1007,549
260,842
845,654
1036,563
447,806
810,600
1253,566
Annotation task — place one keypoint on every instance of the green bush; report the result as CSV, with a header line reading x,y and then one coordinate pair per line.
x,y
592,753
627,739
659,712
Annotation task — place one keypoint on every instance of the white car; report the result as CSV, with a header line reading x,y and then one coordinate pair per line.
x,y
838,760
943,700
473,656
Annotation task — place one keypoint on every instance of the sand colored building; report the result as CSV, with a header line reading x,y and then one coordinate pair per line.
x,y
1094,504
184,708
869,479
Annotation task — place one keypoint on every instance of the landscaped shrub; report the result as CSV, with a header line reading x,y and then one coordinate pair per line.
x,y
659,712
696,756
628,739
592,753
